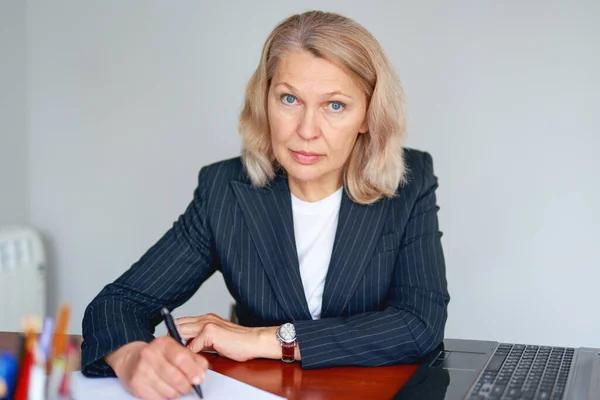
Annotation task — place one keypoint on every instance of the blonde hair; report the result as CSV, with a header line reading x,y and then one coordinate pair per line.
x,y
375,166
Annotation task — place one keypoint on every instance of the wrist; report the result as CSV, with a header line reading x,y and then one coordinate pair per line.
x,y
268,344
119,357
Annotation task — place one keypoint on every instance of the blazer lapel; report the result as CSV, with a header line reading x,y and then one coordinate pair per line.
x,y
359,227
268,215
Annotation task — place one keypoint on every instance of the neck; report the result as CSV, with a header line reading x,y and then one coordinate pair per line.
x,y
313,191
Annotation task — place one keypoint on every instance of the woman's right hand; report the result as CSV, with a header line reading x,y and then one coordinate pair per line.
x,y
159,370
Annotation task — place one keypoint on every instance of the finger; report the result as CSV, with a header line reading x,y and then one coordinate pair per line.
x,y
146,385
192,366
148,393
201,342
217,321
225,322
205,349
198,320
191,330
211,317
201,363
188,331
187,320
157,369
163,388
173,380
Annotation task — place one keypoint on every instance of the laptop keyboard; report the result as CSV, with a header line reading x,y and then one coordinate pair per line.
x,y
520,372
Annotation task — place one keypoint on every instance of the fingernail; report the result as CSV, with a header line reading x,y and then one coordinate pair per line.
x,y
197,380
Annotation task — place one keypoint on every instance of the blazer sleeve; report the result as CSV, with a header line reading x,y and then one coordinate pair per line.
x,y
168,274
412,322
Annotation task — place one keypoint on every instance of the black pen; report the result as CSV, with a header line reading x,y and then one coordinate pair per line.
x,y
175,334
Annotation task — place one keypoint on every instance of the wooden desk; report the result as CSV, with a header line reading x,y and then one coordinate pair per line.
x,y
290,381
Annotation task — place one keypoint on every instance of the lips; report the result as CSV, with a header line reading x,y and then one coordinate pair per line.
x,y
305,157
307,154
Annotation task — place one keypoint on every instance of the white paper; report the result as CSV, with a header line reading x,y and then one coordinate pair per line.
x,y
215,386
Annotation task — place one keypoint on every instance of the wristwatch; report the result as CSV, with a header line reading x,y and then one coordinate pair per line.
x,y
286,334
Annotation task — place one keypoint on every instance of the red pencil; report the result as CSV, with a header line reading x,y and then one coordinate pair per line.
x,y
65,385
22,386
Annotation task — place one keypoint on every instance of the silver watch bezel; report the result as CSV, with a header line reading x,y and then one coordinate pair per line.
x,y
285,339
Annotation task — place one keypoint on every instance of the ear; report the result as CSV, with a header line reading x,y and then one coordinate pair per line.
x,y
364,128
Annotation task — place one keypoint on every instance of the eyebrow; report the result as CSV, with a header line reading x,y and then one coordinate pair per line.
x,y
330,94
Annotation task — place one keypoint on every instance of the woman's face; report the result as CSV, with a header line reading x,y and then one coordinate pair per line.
x,y
315,112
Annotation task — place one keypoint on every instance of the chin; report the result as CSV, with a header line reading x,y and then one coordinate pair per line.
x,y
304,173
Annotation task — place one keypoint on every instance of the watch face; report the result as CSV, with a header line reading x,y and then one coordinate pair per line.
x,y
287,332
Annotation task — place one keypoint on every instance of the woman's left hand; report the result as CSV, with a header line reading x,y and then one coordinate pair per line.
x,y
239,343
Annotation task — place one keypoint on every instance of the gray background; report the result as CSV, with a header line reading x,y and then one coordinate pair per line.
x,y
14,159
112,107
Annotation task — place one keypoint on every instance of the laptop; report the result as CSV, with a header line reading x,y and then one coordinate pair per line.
x,y
484,370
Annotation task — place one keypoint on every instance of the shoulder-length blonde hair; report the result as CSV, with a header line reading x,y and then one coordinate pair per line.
x,y
375,166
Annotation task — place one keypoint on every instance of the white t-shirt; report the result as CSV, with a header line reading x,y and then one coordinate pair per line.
x,y
315,225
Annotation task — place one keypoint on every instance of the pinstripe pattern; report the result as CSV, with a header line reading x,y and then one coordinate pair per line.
x,y
385,297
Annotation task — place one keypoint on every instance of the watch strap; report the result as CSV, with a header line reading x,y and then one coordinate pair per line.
x,y
287,351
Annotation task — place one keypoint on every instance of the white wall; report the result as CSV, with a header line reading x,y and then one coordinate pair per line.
x,y
129,99
14,165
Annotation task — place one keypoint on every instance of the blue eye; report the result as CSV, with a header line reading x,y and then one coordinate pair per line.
x,y
288,99
336,105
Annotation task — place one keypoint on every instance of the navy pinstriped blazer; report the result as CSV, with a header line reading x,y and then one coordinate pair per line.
x,y
385,297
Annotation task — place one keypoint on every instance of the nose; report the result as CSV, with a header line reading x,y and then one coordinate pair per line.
x,y
308,128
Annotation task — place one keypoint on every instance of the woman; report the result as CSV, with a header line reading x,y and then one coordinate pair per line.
x,y
325,230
